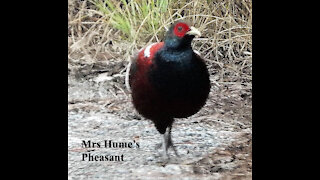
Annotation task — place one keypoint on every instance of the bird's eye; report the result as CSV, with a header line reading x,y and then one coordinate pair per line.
x,y
179,28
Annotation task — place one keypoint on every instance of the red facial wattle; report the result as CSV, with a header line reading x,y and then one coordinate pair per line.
x,y
181,29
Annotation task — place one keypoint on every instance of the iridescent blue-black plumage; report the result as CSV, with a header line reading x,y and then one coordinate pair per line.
x,y
181,80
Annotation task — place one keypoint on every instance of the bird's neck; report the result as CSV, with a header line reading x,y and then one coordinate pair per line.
x,y
173,44
176,55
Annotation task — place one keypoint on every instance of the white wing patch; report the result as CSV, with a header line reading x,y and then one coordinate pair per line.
x,y
147,50
197,52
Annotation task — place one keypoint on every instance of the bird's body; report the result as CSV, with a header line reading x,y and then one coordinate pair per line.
x,y
169,81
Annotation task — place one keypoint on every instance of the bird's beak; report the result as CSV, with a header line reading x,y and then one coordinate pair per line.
x,y
193,31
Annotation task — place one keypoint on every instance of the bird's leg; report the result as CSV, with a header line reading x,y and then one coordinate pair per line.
x,y
167,142
170,143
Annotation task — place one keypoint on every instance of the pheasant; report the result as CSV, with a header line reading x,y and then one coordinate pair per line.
x,y
169,80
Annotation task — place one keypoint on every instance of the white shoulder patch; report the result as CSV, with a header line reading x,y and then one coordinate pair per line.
x,y
197,52
147,50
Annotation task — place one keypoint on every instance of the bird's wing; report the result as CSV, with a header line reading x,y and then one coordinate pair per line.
x,y
144,58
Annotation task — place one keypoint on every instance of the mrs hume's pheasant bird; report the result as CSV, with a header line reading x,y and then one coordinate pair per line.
x,y
169,80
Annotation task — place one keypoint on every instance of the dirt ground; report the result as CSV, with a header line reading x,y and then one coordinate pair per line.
x,y
215,143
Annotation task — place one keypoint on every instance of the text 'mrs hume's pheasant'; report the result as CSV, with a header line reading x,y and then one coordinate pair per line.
x,y
110,144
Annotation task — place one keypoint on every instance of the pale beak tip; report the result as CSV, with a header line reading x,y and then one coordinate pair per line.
x,y
194,31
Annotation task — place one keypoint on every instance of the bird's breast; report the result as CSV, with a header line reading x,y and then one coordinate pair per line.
x,y
178,76
173,84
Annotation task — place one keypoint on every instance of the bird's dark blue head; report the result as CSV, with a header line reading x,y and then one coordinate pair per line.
x,y
180,35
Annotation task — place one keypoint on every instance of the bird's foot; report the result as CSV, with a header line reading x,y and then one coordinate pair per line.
x,y
170,144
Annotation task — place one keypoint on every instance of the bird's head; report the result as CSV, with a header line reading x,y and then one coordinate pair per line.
x,y
180,35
